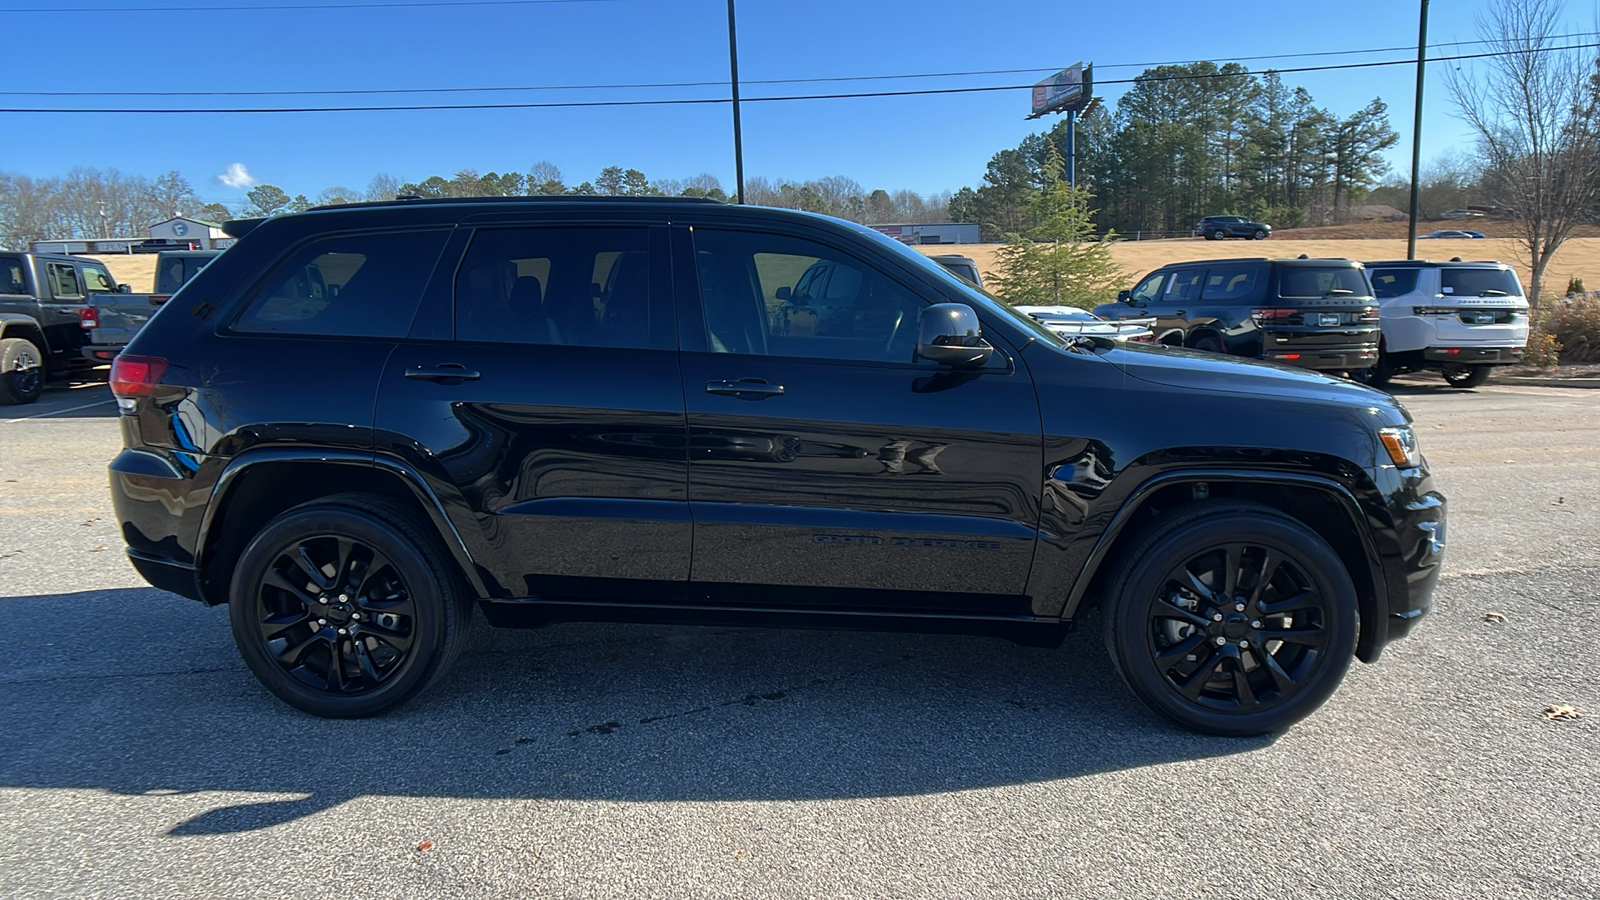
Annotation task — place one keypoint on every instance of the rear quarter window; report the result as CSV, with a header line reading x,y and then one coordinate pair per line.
x,y
1388,283
1230,283
365,285
11,280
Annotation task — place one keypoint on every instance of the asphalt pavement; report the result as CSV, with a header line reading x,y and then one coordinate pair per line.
x,y
138,757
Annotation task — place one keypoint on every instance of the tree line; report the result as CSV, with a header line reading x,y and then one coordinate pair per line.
x,y
1192,140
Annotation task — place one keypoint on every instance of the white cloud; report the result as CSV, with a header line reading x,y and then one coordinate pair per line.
x,y
236,176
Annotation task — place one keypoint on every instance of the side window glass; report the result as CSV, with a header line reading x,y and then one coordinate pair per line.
x,y
1184,286
98,280
65,280
363,285
1149,289
587,287
11,280
759,294
1232,283
1388,283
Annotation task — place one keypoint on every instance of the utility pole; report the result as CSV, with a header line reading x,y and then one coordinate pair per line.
x,y
1416,128
738,134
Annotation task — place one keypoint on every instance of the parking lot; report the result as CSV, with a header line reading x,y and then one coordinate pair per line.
x,y
138,757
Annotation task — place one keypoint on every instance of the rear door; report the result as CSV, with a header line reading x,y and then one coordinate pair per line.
x,y
539,395
828,467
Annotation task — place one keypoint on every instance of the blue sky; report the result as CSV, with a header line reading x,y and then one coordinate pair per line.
x,y
927,144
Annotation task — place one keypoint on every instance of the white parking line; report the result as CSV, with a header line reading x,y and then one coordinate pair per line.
x,y
57,412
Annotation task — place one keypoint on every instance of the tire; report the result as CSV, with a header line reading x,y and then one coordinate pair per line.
x,y
1465,376
1208,344
1259,235
1219,235
21,371
1162,637
293,622
1381,374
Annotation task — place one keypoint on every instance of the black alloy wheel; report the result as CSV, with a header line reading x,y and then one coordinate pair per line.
x,y
345,607
1232,619
1465,376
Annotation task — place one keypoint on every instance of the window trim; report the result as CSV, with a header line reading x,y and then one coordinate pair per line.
x,y
55,282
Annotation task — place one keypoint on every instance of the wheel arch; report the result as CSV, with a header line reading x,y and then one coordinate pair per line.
x,y
15,326
257,486
1323,505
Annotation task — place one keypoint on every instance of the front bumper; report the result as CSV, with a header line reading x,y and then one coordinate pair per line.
x,y
1475,356
1412,565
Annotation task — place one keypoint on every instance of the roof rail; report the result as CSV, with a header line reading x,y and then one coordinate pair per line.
x,y
413,199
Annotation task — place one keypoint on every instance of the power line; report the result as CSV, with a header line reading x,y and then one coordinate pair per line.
x,y
773,99
693,84
386,4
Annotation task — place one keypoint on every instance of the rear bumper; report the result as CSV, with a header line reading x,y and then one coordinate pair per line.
x,y
101,353
1475,356
1325,358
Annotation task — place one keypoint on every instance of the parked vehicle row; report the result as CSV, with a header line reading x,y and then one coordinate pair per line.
x,y
1071,321
1367,321
363,420
112,320
42,300
1220,228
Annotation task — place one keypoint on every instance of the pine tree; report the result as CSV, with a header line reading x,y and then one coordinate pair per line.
x,y
1064,263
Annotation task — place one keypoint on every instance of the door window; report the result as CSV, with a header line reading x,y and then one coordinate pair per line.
x,y
760,294
1184,286
98,280
65,281
587,287
364,285
1148,289
1230,283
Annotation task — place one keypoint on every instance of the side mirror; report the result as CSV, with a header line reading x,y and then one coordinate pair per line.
x,y
124,288
949,335
1124,296
784,294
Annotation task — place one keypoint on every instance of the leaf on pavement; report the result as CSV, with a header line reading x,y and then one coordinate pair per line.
x,y
425,846
1557,712
1493,616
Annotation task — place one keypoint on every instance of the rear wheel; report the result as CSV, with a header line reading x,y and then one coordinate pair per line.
x,y
347,607
1208,343
1219,235
1381,374
1231,618
1465,376
21,371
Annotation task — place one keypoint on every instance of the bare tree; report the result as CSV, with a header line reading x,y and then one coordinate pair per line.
x,y
383,186
1534,112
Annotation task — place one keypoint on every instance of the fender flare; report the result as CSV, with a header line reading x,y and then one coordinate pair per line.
x,y
1373,620
407,475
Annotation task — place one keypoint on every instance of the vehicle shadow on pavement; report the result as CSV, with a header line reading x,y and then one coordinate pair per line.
x,y
149,696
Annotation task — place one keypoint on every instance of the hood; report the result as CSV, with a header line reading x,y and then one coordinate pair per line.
x,y
1213,373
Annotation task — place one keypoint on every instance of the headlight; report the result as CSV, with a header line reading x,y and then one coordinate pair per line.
x,y
1401,444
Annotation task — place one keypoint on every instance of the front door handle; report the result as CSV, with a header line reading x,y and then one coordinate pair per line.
x,y
444,373
745,388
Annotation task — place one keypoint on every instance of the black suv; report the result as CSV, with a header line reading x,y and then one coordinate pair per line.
x,y
1309,313
363,421
1220,228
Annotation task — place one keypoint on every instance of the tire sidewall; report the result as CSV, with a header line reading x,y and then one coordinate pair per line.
x,y
425,586
1129,637
21,387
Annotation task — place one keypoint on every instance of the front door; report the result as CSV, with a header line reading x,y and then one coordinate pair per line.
x,y
553,424
826,466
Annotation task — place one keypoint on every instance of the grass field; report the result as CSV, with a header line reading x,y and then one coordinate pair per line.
x,y
1578,256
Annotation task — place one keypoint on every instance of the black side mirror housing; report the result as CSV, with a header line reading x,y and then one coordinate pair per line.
x,y
949,334
1124,296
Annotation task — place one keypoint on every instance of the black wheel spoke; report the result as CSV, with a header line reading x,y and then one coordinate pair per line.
x,y
1166,609
1169,656
302,558
1280,678
274,627
1310,636
1196,681
397,640
1232,562
342,578
375,565
1302,599
1200,588
364,658
1270,561
278,580
1242,691
290,656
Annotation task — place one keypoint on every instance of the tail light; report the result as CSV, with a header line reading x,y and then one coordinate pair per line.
x,y
88,319
136,376
1369,315
1274,314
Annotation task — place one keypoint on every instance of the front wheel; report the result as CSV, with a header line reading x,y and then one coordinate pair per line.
x,y
347,607
21,371
1259,235
1231,618
1465,376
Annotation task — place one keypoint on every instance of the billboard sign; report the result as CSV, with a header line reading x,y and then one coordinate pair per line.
x,y
1067,89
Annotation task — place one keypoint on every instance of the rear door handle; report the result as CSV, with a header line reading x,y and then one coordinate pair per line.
x,y
745,388
444,373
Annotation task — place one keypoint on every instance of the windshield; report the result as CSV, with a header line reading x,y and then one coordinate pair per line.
x,y
981,299
1302,282
1479,283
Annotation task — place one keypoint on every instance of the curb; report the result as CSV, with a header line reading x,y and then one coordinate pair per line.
x,y
1536,381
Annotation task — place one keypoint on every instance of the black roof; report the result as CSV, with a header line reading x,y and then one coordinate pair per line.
x,y
538,198
1434,263
1277,261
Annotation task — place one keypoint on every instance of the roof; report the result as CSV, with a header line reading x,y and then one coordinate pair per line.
x,y
543,198
1278,261
1432,263
187,219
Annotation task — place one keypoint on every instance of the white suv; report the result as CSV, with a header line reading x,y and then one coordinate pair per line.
x,y
1459,318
